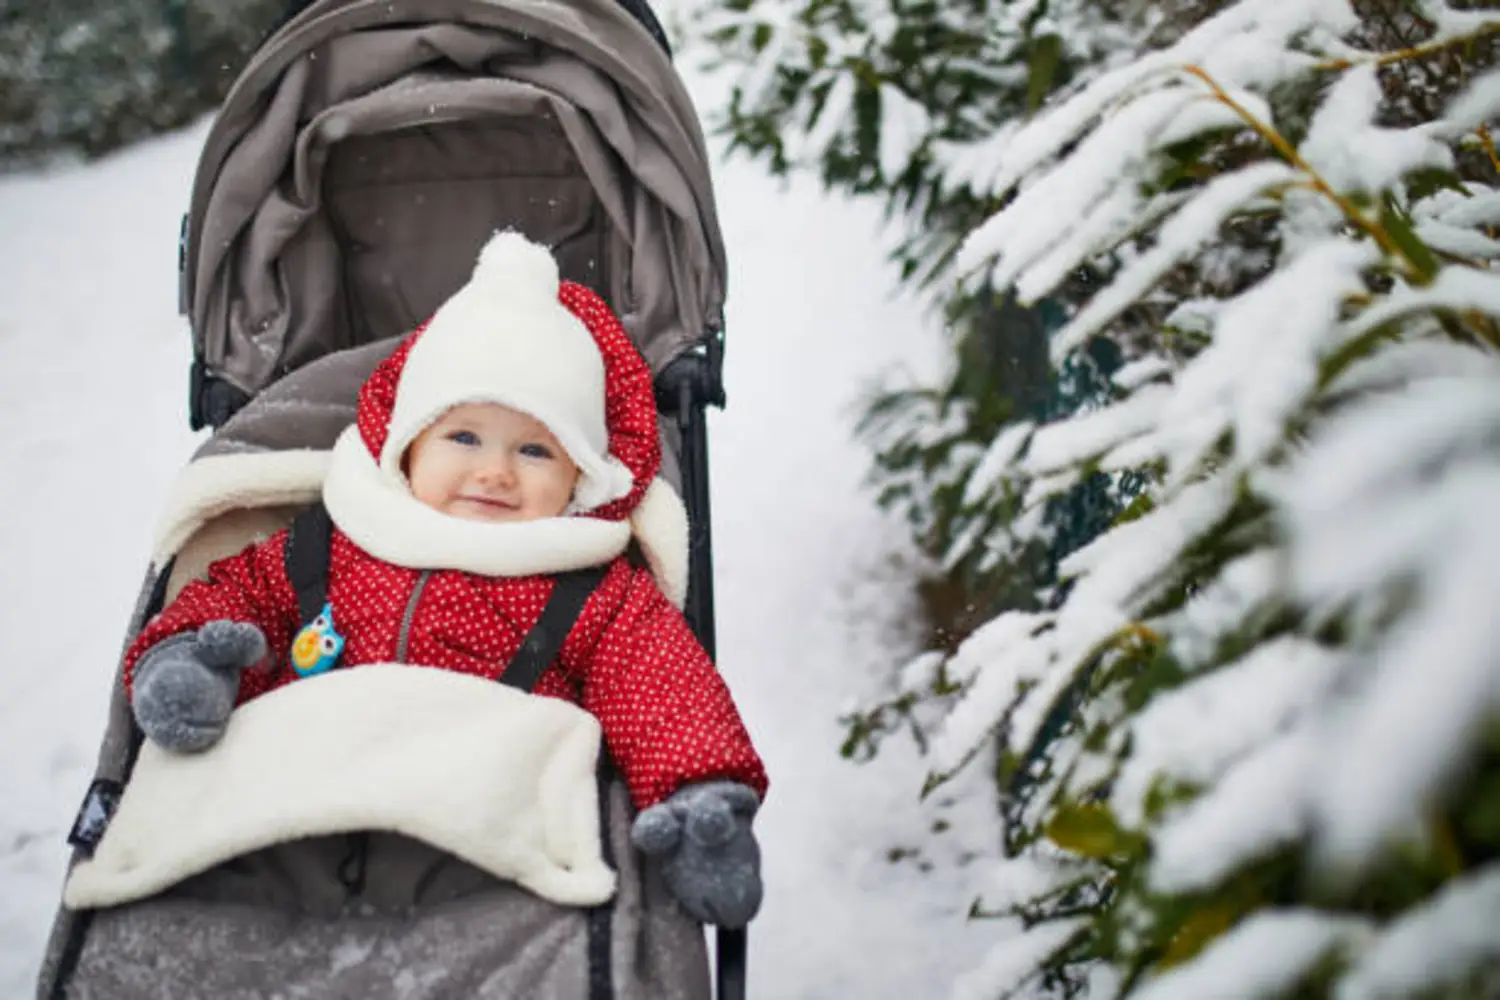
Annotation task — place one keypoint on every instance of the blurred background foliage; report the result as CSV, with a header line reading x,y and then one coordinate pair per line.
x,y
84,77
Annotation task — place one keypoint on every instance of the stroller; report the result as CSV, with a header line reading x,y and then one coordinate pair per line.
x,y
363,156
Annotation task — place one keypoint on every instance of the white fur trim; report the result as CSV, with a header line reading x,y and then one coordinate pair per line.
x,y
660,524
211,486
503,779
505,338
382,517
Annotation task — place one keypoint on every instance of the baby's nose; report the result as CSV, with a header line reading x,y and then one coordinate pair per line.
x,y
497,470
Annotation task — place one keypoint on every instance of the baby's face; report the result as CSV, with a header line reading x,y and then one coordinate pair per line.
x,y
487,462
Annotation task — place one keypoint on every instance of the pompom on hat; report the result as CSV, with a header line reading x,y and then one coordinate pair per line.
x,y
517,335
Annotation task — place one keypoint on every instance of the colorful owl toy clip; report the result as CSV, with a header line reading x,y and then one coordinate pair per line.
x,y
317,647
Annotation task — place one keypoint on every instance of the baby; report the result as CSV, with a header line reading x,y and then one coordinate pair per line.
x,y
511,438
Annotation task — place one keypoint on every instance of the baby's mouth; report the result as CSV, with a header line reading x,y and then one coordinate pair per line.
x,y
492,503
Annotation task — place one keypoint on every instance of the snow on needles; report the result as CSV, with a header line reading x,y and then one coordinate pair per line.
x,y
1441,942
1007,967
1193,733
1386,762
1188,230
1127,122
1290,649
1351,153
1255,25
1236,966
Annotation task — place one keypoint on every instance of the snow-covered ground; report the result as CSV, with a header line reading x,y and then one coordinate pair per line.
x,y
812,610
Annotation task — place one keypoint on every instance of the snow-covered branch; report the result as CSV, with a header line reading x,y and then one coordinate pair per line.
x,y
1282,671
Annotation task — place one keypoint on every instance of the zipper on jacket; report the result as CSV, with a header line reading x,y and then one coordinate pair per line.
x,y
411,611
352,868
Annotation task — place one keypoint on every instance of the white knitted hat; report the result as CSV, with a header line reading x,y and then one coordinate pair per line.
x,y
506,338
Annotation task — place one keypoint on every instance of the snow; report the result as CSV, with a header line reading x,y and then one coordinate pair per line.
x,y
1193,733
87,317
1116,216
1258,370
1235,966
1457,241
1015,960
921,673
1413,360
1022,880
1194,225
999,657
1243,46
1066,443
1118,567
1363,500
1364,454
1208,114
1456,288
903,123
1439,662
1453,23
1256,807
1438,942
832,118
1350,153
1134,374
1477,206
1016,649
1262,364
995,467
812,583
1046,211
1394,493
1246,586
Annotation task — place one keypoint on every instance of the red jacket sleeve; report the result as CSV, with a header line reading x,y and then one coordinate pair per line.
x,y
668,718
249,587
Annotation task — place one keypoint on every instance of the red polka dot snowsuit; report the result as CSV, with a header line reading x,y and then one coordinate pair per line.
x,y
631,660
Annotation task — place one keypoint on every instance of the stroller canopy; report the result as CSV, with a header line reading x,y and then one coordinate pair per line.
x,y
371,146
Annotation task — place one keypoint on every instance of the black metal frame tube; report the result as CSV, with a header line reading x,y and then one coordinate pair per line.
x,y
689,385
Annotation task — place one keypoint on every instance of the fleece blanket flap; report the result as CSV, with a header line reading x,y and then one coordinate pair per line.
x,y
501,778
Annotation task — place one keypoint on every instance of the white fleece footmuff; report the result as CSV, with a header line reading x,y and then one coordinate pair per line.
x,y
502,779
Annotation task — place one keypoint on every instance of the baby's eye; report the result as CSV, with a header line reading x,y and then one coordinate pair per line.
x,y
536,451
466,438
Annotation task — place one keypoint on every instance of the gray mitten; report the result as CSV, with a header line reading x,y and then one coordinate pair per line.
x,y
185,687
712,862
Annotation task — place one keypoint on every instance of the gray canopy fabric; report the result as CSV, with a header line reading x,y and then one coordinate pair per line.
x,y
371,146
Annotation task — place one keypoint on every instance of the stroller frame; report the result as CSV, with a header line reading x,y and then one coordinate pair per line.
x,y
686,385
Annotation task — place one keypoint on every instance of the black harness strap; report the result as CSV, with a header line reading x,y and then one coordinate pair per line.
x,y
569,594
601,919
307,557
